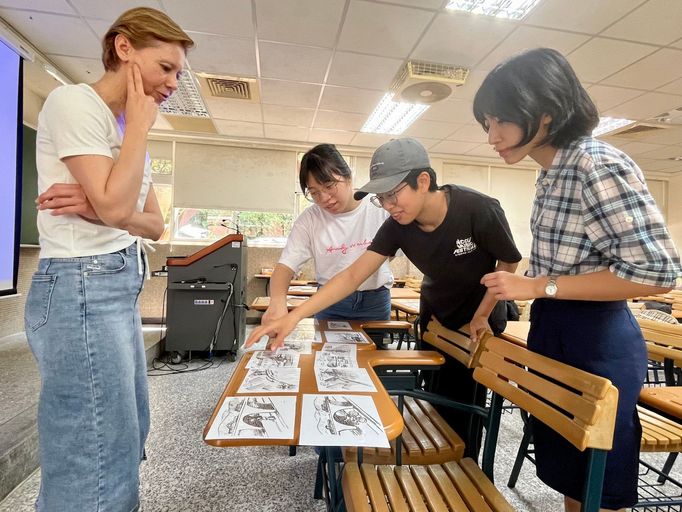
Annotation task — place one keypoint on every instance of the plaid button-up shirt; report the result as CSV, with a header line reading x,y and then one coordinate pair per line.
x,y
593,211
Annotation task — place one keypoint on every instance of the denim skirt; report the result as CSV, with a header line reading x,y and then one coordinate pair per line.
x,y
83,325
602,338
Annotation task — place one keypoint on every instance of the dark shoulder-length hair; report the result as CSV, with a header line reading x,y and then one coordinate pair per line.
x,y
325,164
536,82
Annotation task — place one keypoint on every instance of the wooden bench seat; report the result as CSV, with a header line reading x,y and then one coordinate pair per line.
x,y
450,486
659,434
426,439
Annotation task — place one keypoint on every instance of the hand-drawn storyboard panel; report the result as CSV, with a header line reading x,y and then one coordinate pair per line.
x,y
271,380
345,337
341,420
255,417
343,379
276,359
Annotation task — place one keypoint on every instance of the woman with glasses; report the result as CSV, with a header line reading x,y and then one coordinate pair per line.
x,y
334,232
598,239
454,235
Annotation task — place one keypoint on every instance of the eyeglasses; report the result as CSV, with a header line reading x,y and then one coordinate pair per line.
x,y
387,199
314,196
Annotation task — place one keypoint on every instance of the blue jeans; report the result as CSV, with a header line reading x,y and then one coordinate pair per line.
x,y
83,325
365,305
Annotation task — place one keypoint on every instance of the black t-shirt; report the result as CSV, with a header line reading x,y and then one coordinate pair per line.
x,y
467,245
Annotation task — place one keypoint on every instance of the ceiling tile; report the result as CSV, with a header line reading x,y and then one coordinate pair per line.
x,y
672,88
381,29
235,110
431,129
637,148
370,72
657,165
525,38
80,70
162,123
310,22
450,111
426,142
276,131
225,17
370,140
663,152
331,136
646,106
339,120
289,93
484,150
469,89
223,55
656,21
293,116
651,72
606,97
107,10
349,99
75,37
586,16
470,133
239,128
422,4
56,6
454,147
601,57
461,39
288,62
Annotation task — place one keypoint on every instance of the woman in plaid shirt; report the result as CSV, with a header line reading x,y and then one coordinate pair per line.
x,y
598,239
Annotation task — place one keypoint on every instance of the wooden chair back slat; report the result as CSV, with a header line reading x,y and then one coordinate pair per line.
x,y
487,488
466,488
457,344
582,406
435,437
428,489
357,499
567,420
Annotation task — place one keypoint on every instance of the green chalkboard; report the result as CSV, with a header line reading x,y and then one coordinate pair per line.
x,y
29,189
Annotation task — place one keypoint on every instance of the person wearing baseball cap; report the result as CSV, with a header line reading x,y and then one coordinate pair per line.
x,y
454,235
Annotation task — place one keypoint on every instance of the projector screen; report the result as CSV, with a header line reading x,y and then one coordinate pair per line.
x,y
10,167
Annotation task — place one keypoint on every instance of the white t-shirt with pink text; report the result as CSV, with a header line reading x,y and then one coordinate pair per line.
x,y
335,242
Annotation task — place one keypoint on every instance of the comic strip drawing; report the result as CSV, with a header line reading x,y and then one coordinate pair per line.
x,y
331,359
343,379
340,420
272,380
255,418
338,324
276,359
345,337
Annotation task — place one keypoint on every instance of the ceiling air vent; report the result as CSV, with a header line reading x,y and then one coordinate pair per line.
x,y
187,100
639,129
427,82
230,87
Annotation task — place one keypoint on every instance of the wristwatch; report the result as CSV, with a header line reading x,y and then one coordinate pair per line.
x,y
551,287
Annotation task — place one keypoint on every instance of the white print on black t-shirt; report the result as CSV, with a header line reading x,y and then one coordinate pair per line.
x,y
465,246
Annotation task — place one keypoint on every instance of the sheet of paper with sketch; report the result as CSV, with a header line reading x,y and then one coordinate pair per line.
x,y
273,359
330,358
271,380
255,417
345,337
343,379
341,420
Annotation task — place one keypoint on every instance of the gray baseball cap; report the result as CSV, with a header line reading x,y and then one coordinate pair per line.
x,y
390,164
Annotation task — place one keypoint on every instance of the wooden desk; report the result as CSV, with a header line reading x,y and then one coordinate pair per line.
x,y
262,303
367,357
293,282
404,293
667,399
516,332
408,306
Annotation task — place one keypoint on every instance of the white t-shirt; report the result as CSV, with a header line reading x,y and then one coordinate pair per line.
x,y
76,121
336,241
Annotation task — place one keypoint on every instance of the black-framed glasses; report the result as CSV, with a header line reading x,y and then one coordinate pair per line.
x,y
387,199
315,195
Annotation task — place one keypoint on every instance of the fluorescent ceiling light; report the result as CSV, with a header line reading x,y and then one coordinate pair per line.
x,y
391,117
511,9
609,124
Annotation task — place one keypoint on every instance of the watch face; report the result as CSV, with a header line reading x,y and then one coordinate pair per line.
x,y
551,289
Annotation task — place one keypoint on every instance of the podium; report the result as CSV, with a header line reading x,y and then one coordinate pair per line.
x,y
205,300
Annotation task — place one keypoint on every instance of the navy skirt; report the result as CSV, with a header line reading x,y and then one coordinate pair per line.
x,y
602,338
